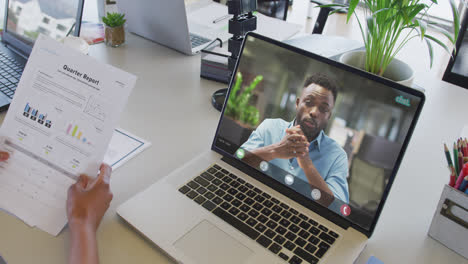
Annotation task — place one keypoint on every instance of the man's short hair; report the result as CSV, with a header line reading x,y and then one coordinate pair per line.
x,y
324,81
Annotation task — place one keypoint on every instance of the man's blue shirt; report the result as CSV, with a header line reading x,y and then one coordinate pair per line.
x,y
328,157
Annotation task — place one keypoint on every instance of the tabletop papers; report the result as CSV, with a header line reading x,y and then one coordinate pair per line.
x,y
58,126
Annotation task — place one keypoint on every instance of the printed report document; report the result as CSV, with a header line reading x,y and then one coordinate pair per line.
x,y
58,126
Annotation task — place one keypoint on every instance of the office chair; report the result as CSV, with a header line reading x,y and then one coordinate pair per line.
x,y
324,13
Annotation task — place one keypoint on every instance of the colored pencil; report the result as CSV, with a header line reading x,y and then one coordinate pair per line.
x,y
463,173
447,155
466,144
465,148
460,161
460,148
455,157
465,159
452,176
463,184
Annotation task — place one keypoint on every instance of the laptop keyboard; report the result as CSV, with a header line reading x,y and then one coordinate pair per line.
x,y
276,226
197,40
10,74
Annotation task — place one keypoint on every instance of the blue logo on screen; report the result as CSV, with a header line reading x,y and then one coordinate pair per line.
x,y
401,100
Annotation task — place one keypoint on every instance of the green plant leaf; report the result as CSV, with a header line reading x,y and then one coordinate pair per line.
x,y
114,19
438,42
431,52
445,32
352,7
456,20
416,9
422,26
331,5
231,108
337,10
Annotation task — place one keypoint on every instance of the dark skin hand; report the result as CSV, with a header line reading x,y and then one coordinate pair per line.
x,y
88,200
4,156
313,176
314,108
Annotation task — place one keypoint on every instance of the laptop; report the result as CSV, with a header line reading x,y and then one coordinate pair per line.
x,y
166,22
24,20
302,162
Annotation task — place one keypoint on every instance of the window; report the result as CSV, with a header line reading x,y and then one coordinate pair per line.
x,y
43,31
46,20
61,27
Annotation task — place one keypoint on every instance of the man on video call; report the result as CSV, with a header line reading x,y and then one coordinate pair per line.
x,y
300,147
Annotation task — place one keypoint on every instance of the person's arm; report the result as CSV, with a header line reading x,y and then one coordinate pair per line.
x,y
87,202
313,176
292,145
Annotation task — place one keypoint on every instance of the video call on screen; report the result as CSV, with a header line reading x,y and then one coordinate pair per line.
x,y
354,138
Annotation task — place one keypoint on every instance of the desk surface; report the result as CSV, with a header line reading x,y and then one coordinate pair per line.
x,y
170,106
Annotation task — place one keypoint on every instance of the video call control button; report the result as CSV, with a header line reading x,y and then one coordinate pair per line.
x,y
289,179
316,194
240,153
264,166
345,210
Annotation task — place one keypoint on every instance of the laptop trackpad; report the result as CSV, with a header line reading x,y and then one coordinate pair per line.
x,y
207,244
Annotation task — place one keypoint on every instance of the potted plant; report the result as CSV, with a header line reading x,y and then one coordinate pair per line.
x,y
389,25
114,32
242,118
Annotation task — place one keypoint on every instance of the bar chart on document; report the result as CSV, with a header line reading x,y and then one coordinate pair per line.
x,y
58,126
61,125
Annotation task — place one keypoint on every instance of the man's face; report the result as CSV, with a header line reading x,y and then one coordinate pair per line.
x,y
314,109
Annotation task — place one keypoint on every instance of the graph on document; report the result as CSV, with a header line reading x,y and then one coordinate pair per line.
x,y
35,115
96,109
74,131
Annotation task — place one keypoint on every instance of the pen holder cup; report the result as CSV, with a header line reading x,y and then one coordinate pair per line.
x,y
450,222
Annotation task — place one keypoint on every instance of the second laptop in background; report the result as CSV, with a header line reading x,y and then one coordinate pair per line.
x,y
165,22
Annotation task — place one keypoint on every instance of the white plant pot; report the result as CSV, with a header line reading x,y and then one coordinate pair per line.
x,y
397,71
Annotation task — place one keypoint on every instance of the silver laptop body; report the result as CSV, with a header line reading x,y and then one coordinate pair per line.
x,y
165,22
179,215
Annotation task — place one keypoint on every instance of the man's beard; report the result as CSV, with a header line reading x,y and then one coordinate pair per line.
x,y
310,133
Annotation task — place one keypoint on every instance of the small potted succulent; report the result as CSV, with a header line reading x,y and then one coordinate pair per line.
x,y
115,33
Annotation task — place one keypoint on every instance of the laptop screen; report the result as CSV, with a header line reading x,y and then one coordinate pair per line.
x,y
329,134
27,18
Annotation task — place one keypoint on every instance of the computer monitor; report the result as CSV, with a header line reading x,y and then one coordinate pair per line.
x,y
457,69
326,132
25,19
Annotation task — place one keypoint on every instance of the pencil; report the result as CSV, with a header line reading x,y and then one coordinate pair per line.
x,y
461,176
455,157
465,148
447,155
463,184
452,177
460,149
460,161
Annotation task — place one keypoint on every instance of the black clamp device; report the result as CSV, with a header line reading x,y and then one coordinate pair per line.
x,y
242,22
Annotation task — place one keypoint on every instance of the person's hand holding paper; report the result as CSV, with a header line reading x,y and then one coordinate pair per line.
x,y
59,126
4,155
